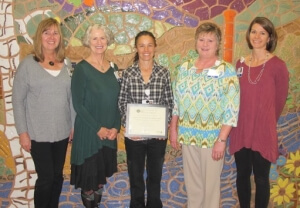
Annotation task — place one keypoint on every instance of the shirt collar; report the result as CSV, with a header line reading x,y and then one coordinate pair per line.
x,y
155,66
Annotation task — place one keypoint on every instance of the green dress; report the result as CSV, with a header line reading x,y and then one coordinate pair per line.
x,y
95,100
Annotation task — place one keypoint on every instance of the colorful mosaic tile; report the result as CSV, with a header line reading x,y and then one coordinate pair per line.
x,y
172,21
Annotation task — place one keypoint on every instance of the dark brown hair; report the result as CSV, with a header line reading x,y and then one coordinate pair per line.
x,y
269,27
142,33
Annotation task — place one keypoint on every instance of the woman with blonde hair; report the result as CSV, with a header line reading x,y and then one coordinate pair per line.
x,y
95,90
206,98
43,110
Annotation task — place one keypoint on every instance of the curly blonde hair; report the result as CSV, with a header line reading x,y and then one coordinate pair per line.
x,y
108,34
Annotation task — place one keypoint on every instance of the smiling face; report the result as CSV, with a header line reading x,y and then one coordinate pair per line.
x,y
207,45
98,41
145,48
50,38
258,37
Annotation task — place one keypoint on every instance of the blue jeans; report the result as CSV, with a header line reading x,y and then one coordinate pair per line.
x,y
247,160
49,160
153,152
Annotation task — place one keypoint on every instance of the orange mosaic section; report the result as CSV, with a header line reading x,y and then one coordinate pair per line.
x,y
8,166
88,2
229,16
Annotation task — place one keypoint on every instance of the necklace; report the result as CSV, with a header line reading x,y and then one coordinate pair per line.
x,y
260,73
101,66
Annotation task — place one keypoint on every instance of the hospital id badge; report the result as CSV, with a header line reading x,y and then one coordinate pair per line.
x,y
213,73
240,71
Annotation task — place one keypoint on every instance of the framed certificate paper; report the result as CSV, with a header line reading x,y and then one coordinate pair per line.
x,y
146,120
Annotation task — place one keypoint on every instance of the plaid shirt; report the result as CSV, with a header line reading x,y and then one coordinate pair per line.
x,y
133,89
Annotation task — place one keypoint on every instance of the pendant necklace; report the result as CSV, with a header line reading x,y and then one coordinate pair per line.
x,y
260,73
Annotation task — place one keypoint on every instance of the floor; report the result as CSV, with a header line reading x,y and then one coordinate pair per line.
x,y
117,195
116,192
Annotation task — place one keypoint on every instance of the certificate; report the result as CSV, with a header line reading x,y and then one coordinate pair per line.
x,y
146,120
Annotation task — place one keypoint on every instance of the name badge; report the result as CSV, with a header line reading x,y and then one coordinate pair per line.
x,y
213,73
118,75
147,101
240,71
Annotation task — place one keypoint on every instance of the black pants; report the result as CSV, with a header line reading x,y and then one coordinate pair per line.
x,y
246,161
153,151
49,159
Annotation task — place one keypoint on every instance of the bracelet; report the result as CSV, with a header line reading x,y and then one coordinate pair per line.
x,y
221,140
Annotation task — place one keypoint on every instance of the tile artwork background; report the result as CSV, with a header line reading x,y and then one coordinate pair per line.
x,y
173,22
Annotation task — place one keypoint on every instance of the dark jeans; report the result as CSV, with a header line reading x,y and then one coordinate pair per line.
x,y
246,160
49,159
153,150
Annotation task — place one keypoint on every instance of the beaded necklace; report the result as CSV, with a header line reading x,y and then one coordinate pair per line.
x,y
260,73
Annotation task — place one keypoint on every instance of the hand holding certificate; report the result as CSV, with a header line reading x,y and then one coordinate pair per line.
x,y
146,121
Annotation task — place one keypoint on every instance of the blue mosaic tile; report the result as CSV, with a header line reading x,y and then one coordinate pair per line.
x,y
181,200
171,205
175,12
4,203
121,184
160,15
174,185
5,185
227,194
190,21
5,188
75,198
143,8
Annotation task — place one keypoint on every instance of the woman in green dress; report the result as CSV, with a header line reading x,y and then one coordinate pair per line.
x,y
95,90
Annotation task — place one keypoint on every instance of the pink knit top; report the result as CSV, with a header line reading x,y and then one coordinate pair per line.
x,y
260,107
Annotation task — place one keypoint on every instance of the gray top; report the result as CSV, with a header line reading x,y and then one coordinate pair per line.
x,y
42,103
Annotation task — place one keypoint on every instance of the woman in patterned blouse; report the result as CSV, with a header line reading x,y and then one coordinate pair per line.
x,y
206,105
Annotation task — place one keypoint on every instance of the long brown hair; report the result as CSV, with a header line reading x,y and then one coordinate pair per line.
x,y
37,40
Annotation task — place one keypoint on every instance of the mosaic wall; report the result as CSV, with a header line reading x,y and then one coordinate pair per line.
x,y
173,22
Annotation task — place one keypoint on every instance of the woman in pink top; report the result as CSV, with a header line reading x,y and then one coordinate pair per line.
x,y
264,87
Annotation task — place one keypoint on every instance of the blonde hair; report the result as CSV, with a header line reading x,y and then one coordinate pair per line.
x,y
37,40
209,27
108,34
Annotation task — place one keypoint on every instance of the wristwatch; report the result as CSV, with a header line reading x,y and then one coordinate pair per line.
x,y
221,140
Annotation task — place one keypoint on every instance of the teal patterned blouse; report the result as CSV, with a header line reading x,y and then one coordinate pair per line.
x,y
205,101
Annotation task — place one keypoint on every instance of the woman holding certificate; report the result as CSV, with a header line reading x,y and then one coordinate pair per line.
x,y
145,82
206,95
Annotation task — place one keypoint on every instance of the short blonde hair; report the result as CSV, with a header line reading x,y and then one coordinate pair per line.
x,y
108,34
209,27
37,40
